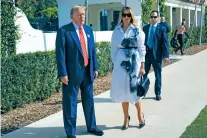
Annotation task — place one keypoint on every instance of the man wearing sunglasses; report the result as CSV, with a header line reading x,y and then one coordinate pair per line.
x,y
157,46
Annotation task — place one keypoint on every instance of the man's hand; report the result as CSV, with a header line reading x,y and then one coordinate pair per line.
x,y
142,71
95,74
65,80
166,60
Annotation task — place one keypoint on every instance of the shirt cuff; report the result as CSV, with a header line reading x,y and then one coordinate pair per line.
x,y
142,58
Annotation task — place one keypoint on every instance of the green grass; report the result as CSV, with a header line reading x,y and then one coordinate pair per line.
x,y
197,129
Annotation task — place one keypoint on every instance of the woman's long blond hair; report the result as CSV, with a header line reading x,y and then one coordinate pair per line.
x,y
133,20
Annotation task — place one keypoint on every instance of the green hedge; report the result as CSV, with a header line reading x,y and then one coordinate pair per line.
x,y
27,78
195,36
104,58
31,77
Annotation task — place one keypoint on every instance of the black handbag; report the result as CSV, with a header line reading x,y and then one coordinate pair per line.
x,y
143,86
174,43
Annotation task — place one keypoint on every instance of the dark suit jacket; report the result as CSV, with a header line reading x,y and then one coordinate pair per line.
x,y
69,54
161,46
164,24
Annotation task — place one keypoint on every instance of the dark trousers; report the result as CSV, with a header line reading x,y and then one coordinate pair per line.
x,y
70,98
180,40
157,66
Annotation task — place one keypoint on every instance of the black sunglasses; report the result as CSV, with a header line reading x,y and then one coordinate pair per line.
x,y
126,15
153,17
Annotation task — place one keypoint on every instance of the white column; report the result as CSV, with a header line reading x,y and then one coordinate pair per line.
x,y
170,15
189,20
181,15
196,18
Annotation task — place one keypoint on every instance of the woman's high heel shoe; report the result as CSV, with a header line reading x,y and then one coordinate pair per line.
x,y
126,127
142,125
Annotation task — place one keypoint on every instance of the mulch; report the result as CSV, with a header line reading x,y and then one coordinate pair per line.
x,y
30,113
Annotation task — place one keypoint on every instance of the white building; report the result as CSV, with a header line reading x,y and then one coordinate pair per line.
x,y
179,10
102,12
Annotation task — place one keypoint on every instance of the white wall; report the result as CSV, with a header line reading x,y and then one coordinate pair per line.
x,y
35,40
31,39
101,36
50,41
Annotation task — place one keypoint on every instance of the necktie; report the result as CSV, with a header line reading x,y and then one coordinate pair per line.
x,y
83,45
151,37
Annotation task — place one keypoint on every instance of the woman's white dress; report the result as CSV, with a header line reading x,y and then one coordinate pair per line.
x,y
120,87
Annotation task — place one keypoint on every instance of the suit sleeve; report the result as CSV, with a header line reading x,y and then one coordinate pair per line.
x,y
168,28
94,56
165,44
60,54
143,29
145,32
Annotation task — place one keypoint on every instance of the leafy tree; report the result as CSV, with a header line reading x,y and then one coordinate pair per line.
x,y
146,10
44,4
50,13
9,31
34,8
163,8
27,6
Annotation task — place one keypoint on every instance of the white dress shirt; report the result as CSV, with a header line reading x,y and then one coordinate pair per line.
x,y
84,33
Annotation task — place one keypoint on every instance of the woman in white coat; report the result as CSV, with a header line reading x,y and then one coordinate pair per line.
x,y
120,88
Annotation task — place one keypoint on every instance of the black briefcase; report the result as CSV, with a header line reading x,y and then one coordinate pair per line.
x,y
143,86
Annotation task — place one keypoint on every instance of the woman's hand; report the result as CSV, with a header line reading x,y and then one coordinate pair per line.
x,y
142,71
120,46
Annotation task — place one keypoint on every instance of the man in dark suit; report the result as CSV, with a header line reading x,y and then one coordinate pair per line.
x,y
77,68
156,42
164,24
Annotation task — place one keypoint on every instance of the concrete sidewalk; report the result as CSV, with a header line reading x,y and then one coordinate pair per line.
x,y
184,94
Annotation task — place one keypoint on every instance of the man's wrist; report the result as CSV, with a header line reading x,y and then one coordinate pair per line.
x,y
63,77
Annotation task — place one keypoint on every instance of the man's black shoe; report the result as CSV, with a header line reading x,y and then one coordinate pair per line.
x,y
96,132
71,136
158,98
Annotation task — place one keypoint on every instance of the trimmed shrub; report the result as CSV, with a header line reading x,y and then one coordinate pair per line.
x,y
31,77
27,78
104,58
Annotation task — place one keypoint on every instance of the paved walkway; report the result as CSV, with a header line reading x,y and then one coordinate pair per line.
x,y
179,57
184,95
